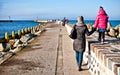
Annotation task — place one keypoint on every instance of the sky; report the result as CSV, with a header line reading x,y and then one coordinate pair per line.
x,y
57,9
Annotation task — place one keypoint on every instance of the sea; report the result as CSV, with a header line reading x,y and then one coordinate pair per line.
x,y
113,23
16,25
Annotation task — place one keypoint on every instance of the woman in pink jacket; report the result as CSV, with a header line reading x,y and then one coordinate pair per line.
x,y
101,24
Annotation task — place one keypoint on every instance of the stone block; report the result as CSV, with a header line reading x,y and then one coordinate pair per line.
x,y
24,39
106,57
4,47
118,70
11,41
116,45
101,53
114,64
98,45
17,42
1,47
92,46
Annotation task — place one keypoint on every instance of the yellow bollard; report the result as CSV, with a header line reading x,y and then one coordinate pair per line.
x,y
31,30
13,34
7,36
28,30
19,33
23,32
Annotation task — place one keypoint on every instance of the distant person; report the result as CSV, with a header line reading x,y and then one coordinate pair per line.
x,y
64,21
80,41
101,24
67,21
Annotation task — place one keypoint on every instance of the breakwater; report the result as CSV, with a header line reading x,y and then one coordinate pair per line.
x,y
16,25
102,59
13,44
5,20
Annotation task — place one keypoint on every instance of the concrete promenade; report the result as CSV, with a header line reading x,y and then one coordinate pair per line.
x,y
50,53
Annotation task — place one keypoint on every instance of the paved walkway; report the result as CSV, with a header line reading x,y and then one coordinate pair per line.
x,y
50,53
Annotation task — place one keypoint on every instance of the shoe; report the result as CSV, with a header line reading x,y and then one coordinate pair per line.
x,y
80,69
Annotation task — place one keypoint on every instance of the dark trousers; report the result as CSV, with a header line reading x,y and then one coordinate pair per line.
x,y
101,36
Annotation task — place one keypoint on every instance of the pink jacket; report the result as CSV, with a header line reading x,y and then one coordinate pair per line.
x,y
101,20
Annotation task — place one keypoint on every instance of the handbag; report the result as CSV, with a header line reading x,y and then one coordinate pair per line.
x,y
73,34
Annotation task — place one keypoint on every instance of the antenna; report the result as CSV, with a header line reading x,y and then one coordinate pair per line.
x,y
9,17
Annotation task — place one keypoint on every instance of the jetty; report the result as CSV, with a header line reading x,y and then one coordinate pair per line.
x,y
50,52
5,20
41,21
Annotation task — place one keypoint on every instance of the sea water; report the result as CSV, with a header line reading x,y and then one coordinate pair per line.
x,y
22,24
15,26
113,23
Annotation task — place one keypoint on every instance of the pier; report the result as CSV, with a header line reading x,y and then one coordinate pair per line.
x,y
51,53
5,20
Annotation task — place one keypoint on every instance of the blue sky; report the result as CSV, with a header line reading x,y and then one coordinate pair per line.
x,y
57,9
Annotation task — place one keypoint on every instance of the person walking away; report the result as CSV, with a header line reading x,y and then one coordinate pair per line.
x,y
64,21
80,42
67,21
101,24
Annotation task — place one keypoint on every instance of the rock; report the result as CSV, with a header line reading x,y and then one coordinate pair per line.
x,y
112,32
11,41
118,30
118,36
117,27
17,49
109,26
1,47
5,47
89,26
26,37
17,42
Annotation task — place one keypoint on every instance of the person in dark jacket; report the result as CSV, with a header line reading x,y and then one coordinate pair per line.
x,y
64,21
101,24
80,42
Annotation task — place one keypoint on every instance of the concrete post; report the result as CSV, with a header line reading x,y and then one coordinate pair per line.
x,y
13,34
7,36
19,33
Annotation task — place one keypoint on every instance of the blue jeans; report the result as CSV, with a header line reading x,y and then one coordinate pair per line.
x,y
79,58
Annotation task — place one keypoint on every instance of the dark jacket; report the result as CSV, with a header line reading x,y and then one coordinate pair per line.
x,y
80,42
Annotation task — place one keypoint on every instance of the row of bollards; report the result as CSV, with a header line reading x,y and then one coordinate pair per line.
x,y
22,32
14,35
